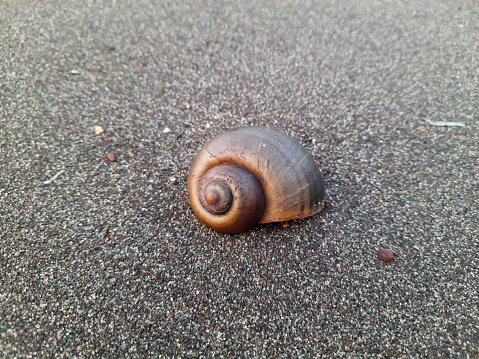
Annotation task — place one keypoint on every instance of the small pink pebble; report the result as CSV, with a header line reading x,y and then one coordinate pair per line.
x,y
111,157
385,254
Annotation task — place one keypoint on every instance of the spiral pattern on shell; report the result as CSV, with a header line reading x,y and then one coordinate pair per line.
x,y
253,175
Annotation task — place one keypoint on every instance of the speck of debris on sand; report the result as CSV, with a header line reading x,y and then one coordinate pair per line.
x,y
108,260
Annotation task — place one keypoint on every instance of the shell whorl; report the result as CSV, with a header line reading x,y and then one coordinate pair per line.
x,y
287,174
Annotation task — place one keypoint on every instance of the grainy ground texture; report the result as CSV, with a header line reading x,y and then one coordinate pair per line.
x,y
104,258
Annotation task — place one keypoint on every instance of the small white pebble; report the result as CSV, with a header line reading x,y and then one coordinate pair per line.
x,y
98,130
166,130
172,178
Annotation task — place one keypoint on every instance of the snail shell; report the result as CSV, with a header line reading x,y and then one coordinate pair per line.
x,y
253,175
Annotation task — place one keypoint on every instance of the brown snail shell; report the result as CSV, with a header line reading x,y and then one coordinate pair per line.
x,y
253,175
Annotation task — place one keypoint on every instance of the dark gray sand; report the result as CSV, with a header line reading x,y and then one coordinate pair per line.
x,y
104,258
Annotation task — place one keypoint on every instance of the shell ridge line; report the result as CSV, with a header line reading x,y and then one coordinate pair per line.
x,y
212,155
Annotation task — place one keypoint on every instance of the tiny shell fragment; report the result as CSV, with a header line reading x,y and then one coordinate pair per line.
x,y
385,254
446,123
111,157
98,130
